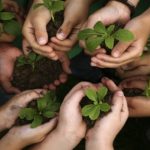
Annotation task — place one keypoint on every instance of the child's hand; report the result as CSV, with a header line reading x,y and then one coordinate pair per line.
x,y
138,105
19,137
102,135
35,31
8,55
141,66
73,20
124,53
9,112
71,128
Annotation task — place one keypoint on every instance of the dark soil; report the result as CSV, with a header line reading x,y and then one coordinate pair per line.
x,y
133,92
46,71
53,27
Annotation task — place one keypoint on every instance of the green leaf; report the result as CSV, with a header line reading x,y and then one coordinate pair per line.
x,y
101,93
91,94
84,34
37,121
41,104
109,42
110,29
124,35
92,43
49,114
32,56
95,112
105,107
99,27
54,107
6,16
57,6
27,113
35,6
86,110
147,90
12,27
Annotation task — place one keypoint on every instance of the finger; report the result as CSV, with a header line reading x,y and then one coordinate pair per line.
x,y
79,86
124,111
133,84
40,31
63,78
26,47
6,84
47,127
65,29
117,102
25,97
59,48
110,84
118,50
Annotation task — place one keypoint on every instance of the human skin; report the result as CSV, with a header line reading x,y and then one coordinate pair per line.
x,y
126,52
141,66
35,33
138,105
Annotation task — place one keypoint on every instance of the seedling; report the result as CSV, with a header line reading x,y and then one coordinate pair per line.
x,y
104,36
147,90
31,59
98,104
46,108
53,6
8,23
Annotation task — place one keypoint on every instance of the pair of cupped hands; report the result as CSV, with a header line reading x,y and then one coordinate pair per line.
x,y
68,128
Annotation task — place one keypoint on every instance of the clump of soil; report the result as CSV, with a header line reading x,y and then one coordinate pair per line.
x,y
133,92
46,71
53,26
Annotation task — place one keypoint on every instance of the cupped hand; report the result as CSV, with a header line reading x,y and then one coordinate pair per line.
x,y
22,136
126,52
8,56
10,111
35,31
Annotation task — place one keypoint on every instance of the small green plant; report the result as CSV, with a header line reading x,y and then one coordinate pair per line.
x,y
100,35
98,104
46,108
147,90
31,59
8,23
52,5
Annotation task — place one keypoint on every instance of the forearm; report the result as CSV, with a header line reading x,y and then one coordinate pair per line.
x,y
8,143
56,141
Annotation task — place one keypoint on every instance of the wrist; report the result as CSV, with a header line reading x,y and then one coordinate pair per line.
x,y
122,9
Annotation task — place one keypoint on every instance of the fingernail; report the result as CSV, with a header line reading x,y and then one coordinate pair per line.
x,y
60,35
42,41
120,93
93,64
104,78
116,54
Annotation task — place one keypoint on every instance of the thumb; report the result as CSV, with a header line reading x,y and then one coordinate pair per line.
x,y
119,49
117,101
65,29
47,127
41,32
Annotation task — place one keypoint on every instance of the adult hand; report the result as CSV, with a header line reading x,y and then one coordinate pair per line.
x,y
9,112
66,36
35,31
8,56
19,137
102,135
71,128
138,105
124,53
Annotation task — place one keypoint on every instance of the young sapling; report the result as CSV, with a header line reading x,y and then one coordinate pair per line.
x,y
53,6
104,36
98,103
45,108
